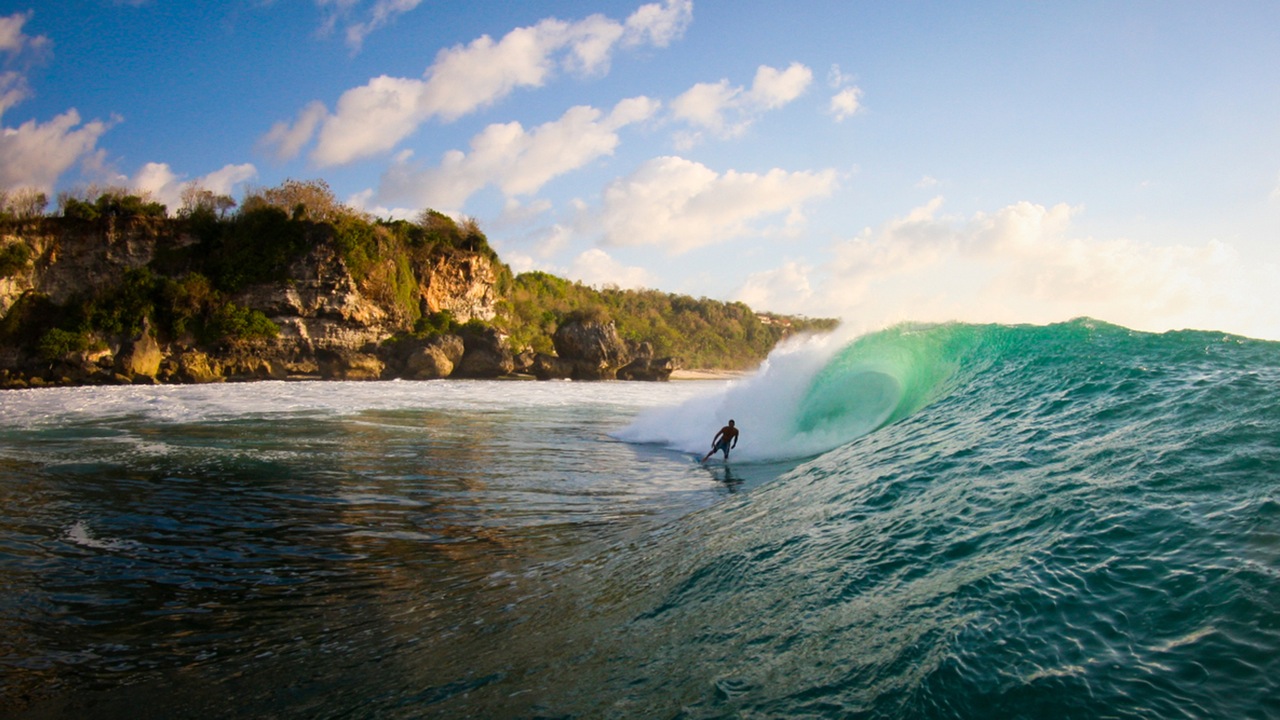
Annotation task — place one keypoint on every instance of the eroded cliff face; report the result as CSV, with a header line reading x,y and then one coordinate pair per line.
x,y
66,261
331,323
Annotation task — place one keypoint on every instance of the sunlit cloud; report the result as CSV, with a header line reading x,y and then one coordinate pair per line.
x,y
35,154
159,182
285,140
598,268
658,24
515,160
727,111
1022,264
790,280
845,104
14,42
13,90
677,205
377,116
383,13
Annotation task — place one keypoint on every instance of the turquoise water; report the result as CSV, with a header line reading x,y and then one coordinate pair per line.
x,y
931,521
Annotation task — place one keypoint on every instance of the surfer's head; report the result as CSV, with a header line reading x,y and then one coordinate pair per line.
x,y
730,423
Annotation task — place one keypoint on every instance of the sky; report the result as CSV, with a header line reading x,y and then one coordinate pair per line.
x,y
878,162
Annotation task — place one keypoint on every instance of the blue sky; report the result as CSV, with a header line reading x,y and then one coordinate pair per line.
x,y
874,161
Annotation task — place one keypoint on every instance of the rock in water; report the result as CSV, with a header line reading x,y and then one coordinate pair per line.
x,y
593,347
141,356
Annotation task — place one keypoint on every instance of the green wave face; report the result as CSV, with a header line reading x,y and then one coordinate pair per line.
x,y
881,378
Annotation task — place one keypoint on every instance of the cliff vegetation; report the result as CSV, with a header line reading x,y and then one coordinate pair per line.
x,y
289,282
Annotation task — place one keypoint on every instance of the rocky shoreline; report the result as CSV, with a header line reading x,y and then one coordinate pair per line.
x,y
327,322
585,351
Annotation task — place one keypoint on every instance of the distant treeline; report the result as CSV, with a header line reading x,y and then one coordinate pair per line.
x,y
703,333
185,291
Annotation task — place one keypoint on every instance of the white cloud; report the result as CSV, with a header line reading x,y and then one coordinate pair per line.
x,y
846,103
1021,264
15,42
161,184
679,205
774,88
225,180
285,141
383,12
596,267
517,161
705,104
836,78
13,90
727,111
783,289
659,24
375,117
36,154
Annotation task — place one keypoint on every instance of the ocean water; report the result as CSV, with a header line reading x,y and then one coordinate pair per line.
x,y
943,521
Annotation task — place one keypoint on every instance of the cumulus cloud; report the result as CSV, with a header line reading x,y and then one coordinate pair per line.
x,y
13,90
678,205
727,111
14,42
515,160
845,104
1022,264
36,154
161,184
285,140
596,267
847,100
790,280
375,117
658,24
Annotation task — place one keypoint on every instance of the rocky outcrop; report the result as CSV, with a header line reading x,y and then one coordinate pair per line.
x,y
550,367
592,348
332,323
140,357
644,366
194,366
462,284
423,358
488,355
344,364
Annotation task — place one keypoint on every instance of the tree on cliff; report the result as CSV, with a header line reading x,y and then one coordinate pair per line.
x,y
212,278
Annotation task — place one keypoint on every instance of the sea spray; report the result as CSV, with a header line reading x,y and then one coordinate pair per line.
x,y
763,405
817,393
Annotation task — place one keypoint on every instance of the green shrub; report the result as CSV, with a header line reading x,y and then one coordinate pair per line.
x,y
231,324
14,258
57,343
437,323
257,246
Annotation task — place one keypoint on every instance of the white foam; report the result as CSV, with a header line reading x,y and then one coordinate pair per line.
x,y
80,534
763,406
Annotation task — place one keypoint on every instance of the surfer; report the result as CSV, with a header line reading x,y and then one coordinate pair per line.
x,y
722,440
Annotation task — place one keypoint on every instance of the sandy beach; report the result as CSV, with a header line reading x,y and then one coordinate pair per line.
x,y
709,374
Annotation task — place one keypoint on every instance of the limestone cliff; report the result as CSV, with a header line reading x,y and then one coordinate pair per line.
x,y
330,322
